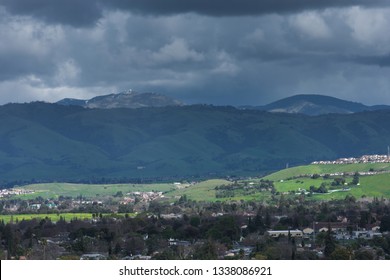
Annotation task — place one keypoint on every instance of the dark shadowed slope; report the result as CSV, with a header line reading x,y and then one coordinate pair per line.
x,y
51,142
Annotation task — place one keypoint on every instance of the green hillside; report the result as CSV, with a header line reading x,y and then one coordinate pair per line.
x,y
297,179
369,186
292,183
49,142
54,190
326,169
203,191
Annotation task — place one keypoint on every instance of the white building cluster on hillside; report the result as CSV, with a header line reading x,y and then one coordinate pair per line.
x,y
362,159
11,192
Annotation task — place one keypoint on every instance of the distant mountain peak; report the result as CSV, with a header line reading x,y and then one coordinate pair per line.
x,y
125,99
315,104
72,101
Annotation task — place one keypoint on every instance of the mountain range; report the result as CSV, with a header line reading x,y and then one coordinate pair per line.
x,y
52,142
314,105
307,104
127,99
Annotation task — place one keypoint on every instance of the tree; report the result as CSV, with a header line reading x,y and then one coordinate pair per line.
x,y
118,194
117,248
363,254
125,208
365,219
330,244
224,229
385,223
340,253
355,179
256,224
10,241
315,176
338,182
207,251
322,189
267,221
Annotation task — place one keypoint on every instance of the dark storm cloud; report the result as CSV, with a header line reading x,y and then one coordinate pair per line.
x,y
88,12
69,12
22,65
196,51
378,60
235,7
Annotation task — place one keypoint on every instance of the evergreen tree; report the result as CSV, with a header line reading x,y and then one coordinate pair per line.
x,y
330,244
355,179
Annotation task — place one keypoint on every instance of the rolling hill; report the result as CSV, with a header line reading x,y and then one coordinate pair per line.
x,y
299,178
287,181
51,142
314,105
326,169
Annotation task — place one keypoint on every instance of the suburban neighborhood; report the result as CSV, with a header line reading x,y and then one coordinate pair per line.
x,y
186,229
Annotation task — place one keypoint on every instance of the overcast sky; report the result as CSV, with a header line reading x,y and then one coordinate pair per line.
x,y
224,52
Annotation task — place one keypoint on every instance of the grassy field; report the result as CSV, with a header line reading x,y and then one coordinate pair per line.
x,y
300,183
370,186
203,191
378,185
326,169
52,217
54,190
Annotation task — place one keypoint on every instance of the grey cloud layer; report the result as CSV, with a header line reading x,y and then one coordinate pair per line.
x,y
236,7
99,47
70,12
88,12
